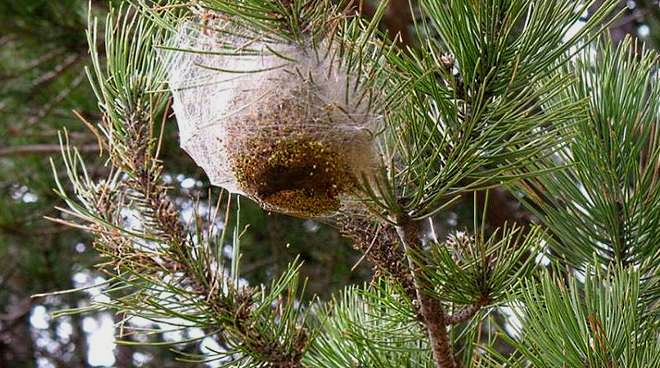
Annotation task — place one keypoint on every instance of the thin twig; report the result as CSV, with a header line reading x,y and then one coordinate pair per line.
x,y
55,101
366,252
36,149
59,69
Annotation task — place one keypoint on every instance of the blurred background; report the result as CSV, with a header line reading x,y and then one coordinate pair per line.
x,y
44,90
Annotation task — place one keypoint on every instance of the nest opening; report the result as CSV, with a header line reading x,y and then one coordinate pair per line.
x,y
303,175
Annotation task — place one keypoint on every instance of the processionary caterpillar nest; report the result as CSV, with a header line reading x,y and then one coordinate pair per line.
x,y
280,122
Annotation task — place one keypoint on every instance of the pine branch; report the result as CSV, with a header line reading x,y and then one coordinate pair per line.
x,y
195,278
379,244
464,314
474,270
600,323
370,326
432,310
476,113
173,272
613,211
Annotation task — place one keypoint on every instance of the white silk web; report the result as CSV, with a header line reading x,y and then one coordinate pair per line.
x,y
279,122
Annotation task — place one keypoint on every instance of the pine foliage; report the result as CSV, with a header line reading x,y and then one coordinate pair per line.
x,y
496,95
606,201
589,322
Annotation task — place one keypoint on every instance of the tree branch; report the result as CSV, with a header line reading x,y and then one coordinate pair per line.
x,y
432,311
37,149
379,247
463,314
59,69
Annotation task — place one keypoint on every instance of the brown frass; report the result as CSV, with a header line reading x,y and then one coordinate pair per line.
x,y
292,161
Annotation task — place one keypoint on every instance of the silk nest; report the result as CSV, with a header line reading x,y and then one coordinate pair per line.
x,y
283,123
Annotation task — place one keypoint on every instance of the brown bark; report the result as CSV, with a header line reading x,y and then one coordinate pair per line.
x,y
463,314
378,243
432,311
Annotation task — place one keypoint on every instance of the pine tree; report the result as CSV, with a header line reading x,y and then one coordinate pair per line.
x,y
41,81
307,107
